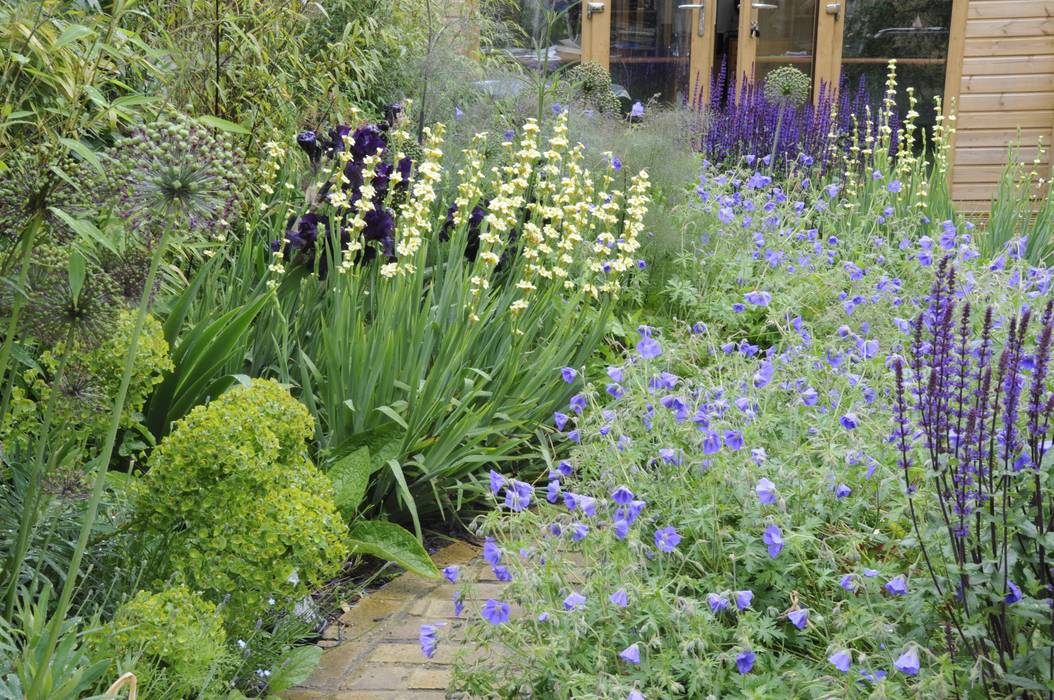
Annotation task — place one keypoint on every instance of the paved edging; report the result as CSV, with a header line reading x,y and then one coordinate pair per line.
x,y
374,651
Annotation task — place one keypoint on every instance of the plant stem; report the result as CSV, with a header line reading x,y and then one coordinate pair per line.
x,y
101,466
20,299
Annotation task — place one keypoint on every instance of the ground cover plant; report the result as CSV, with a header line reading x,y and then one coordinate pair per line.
x,y
769,484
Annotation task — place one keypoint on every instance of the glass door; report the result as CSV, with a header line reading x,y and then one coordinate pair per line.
x,y
786,36
653,48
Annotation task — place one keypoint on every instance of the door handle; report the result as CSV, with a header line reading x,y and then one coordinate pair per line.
x,y
834,8
593,8
701,26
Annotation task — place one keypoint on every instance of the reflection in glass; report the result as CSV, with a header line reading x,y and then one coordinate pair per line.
x,y
650,44
526,37
915,32
786,36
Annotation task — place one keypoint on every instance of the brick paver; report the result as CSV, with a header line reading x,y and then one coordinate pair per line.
x,y
373,650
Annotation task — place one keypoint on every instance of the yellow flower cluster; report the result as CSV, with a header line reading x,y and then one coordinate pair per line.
x,y
415,219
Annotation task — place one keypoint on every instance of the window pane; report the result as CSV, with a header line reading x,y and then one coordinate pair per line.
x,y
650,44
787,35
915,32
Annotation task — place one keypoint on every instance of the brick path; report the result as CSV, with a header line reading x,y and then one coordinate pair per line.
x,y
374,652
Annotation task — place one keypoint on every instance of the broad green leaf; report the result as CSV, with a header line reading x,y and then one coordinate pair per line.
x,y
295,667
350,476
223,125
393,543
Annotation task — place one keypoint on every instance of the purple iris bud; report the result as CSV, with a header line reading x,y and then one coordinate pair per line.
x,y
667,539
569,374
849,421
799,618
897,585
717,602
908,662
841,660
766,491
450,573
1014,595
429,639
745,662
622,495
574,601
495,612
758,298
773,538
743,599
841,491
616,374
630,654
619,598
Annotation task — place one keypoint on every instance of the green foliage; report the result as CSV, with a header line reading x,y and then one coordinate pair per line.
x,y
282,66
244,514
69,70
173,640
66,674
392,543
93,375
1021,214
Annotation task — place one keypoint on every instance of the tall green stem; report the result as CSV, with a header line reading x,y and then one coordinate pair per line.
x,y
20,300
101,465
776,138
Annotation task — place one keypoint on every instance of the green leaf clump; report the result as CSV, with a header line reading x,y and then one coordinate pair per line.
x,y
245,515
172,640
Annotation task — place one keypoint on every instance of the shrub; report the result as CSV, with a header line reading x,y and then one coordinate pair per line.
x,y
93,376
246,514
175,638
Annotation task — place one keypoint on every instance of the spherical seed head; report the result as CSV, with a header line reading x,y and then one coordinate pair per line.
x,y
788,85
54,313
175,173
